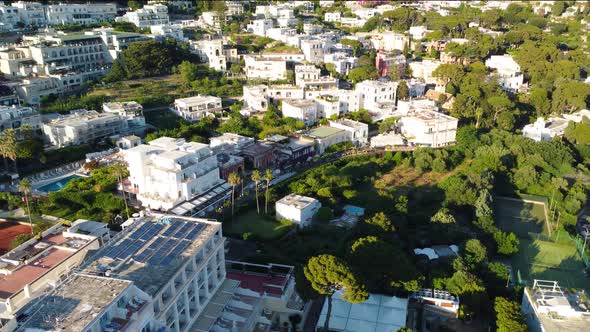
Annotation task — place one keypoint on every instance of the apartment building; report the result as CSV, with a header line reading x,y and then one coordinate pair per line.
x,y
72,13
387,63
376,95
9,17
147,16
117,41
429,128
265,67
131,112
163,31
285,91
29,270
306,72
313,49
14,117
301,109
298,209
195,108
82,126
260,27
31,13
329,105
234,8
168,171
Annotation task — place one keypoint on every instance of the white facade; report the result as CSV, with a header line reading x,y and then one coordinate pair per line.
x,y
147,16
428,128
390,41
424,69
285,91
298,209
234,8
212,52
508,71
332,17
31,13
329,105
266,68
260,27
301,109
385,140
306,72
372,94
168,31
358,131
342,62
195,108
170,171
131,112
313,50
14,117
89,13
83,126
256,97
418,32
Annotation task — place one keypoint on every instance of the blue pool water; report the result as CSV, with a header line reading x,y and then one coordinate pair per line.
x,y
59,184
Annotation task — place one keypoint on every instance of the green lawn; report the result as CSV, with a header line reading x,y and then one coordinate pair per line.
x,y
539,256
260,226
163,119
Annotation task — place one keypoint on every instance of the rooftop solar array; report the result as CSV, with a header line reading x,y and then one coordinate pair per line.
x,y
169,241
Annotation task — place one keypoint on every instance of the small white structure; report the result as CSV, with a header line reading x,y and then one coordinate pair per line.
x,y
547,308
389,41
260,27
306,72
301,109
332,17
325,137
358,131
385,140
329,105
418,32
298,209
545,130
342,62
131,111
14,117
256,97
168,31
424,69
128,142
377,313
195,108
371,94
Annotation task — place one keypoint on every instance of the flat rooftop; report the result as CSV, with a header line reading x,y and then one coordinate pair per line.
x,y
323,132
75,304
296,201
152,251
50,251
428,115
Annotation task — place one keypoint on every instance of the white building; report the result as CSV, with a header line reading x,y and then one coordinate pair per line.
x,y
416,88
14,117
260,27
170,171
377,313
418,32
424,69
300,109
358,131
377,97
88,13
131,112
212,52
342,62
30,13
545,130
9,17
428,128
547,308
285,91
237,142
313,49
306,72
147,16
82,126
256,97
389,41
329,105
234,8
167,31
266,67
386,140
298,209
332,17
508,72
195,108
324,137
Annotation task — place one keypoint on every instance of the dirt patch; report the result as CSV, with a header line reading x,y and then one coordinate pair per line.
x,y
8,231
404,176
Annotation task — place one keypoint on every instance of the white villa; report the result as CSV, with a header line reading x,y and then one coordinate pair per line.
x,y
298,209
195,108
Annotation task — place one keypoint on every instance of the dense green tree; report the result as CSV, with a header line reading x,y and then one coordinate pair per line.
x,y
570,96
328,274
508,316
381,221
188,71
362,73
356,45
474,253
149,58
403,92
117,73
443,216
507,242
578,133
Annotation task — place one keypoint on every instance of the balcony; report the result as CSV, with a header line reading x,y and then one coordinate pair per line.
x,y
124,315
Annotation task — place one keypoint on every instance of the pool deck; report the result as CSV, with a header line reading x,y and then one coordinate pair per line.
x,y
39,184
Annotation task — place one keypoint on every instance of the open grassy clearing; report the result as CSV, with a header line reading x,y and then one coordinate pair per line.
x,y
260,226
154,86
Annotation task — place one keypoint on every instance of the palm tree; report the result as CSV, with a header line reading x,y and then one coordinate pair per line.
x,y
233,179
120,168
267,178
8,147
25,187
256,179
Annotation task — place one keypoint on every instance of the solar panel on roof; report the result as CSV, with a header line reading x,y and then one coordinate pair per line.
x,y
173,227
181,233
142,258
118,248
151,232
195,232
140,231
162,251
174,253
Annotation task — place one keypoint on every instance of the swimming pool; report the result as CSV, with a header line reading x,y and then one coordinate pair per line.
x,y
59,184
